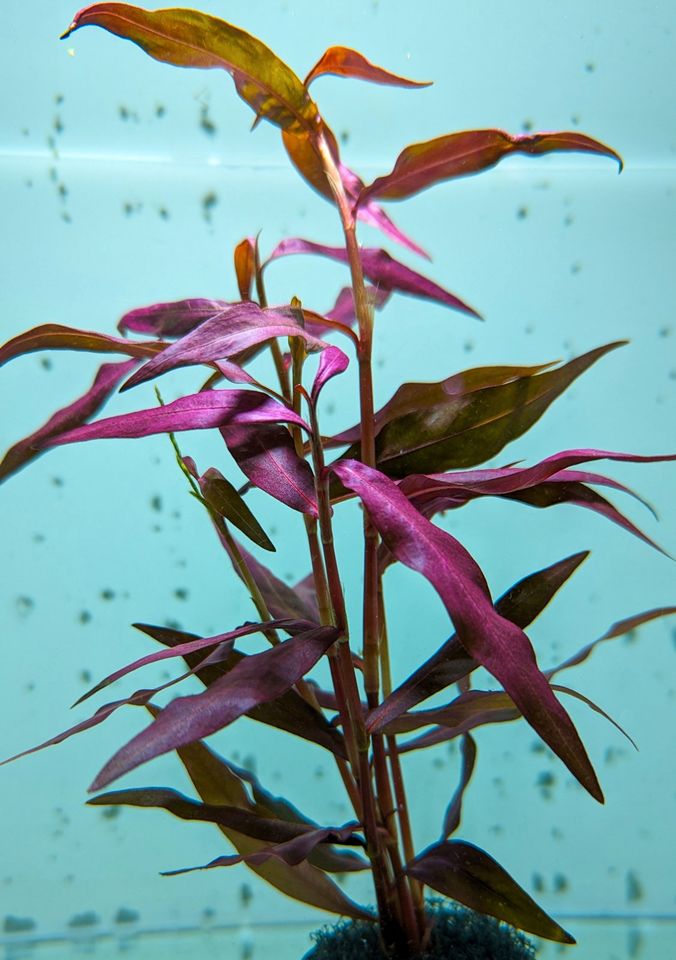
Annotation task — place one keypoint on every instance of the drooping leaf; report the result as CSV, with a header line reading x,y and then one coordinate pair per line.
x,y
290,712
216,782
54,336
300,148
173,319
458,154
197,411
224,336
332,362
380,268
188,38
465,873
497,643
107,378
430,428
257,679
521,604
245,266
267,456
454,810
223,499
344,62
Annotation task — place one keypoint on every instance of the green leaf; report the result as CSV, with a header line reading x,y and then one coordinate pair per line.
x,y
220,495
466,873
466,419
188,38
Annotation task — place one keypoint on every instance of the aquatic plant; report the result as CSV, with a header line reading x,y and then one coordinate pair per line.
x,y
406,463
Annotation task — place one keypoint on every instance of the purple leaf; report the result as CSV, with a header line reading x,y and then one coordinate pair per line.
x,y
257,679
173,319
198,411
290,712
53,336
222,497
234,373
465,873
380,268
521,604
225,335
344,62
267,456
331,363
343,309
107,378
497,643
282,601
458,154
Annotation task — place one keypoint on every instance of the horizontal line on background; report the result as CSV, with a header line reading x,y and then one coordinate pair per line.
x,y
251,163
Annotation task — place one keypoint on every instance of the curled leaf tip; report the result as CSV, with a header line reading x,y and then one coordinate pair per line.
x,y
67,32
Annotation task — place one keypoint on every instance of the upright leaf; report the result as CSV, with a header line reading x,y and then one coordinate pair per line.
x,y
465,873
458,154
255,680
245,266
107,378
497,643
454,810
188,38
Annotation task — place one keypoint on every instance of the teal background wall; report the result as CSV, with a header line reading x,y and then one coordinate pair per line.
x,y
117,192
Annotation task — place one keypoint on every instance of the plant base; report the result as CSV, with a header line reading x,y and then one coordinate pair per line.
x,y
458,934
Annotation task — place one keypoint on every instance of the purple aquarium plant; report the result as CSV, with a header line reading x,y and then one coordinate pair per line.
x,y
416,457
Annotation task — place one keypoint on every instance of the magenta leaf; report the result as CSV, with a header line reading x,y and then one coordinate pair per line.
x,y
222,497
290,712
331,363
197,411
344,62
282,601
344,311
257,679
107,378
458,154
223,336
465,873
380,268
266,454
497,643
173,319
54,336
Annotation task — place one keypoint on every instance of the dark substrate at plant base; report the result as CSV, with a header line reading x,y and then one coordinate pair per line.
x,y
458,934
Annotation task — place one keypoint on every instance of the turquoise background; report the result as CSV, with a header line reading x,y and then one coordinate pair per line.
x,y
106,170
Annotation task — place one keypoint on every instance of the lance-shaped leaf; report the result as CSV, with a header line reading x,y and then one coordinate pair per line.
x,y
54,336
301,150
497,643
224,336
188,38
257,679
332,362
216,782
107,378
245,266
465,873
298,602
267,456
221,497
447,426
454,810
521,604
290,712
173,319
345,62
458,154
197,411
343,309
380,268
